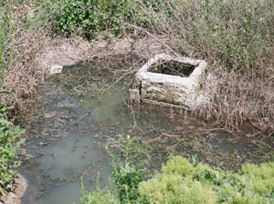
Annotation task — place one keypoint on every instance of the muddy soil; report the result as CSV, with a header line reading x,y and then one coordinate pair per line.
x,y
17,191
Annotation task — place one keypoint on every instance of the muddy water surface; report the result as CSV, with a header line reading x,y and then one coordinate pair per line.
x,y
72,124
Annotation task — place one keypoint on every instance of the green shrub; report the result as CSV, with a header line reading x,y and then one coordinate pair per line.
x,y
89,17
128,167
174,188
127,171
260,178
176,184
178,165
126,179
182,182
10,142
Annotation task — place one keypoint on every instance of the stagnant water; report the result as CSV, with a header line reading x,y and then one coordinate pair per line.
x,y
67,138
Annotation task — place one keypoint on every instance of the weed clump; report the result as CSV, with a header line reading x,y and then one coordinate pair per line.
x,y
237,32
10,141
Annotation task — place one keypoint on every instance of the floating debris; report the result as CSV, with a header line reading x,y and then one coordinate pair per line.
x,y
56,69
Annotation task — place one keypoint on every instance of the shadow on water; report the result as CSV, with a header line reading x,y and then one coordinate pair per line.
x,y
70,126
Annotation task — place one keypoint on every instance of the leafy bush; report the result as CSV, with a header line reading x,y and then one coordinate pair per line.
x,y
260,179
89,17
173,188
127,168
127,178
182,182
10,142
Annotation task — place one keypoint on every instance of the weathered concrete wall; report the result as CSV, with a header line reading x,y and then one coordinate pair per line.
x,y
184,91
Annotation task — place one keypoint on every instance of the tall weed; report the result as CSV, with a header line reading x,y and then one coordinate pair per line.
x,y
127,171
3,39
237,32
10,135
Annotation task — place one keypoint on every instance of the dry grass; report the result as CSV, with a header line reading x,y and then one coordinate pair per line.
x,y
236,38
21,76
236,99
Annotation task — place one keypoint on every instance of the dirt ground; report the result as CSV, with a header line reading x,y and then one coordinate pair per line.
x,y
70,51
17,191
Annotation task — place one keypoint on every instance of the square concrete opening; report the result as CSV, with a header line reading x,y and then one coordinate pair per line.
x,y
172,80
172,68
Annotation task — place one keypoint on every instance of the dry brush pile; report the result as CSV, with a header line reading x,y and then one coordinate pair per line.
x,y
21,40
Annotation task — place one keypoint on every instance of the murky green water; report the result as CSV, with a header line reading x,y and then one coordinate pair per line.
x,y
69,132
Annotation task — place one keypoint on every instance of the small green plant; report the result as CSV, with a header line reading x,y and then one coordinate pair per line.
x,y
127,178
98,197
127,170
10,141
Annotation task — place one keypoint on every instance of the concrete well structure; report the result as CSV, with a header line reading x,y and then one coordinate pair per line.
x,y
172,80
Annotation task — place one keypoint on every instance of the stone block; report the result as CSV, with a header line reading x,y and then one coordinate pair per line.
x,y
172,80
